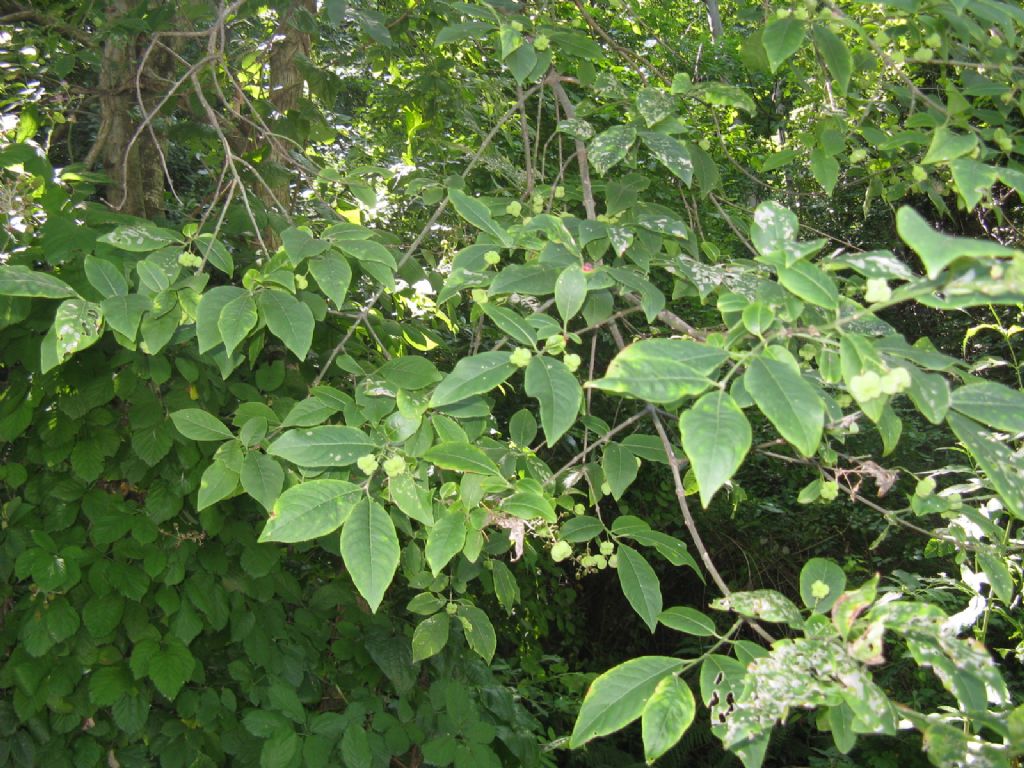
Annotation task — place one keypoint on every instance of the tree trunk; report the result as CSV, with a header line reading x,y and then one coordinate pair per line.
x,y
714,19
135,169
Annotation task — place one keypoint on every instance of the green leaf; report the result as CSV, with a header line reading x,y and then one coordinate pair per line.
x,y
237,318
723,95
609,148
817,572
570,292
333,274
479,631
310,510
670,152
506,588
197,424
938,251
300,244
930,394
825,169
526,279
472,376
773,228
620,468
558,394
171,667
430,636
789,402
811,284
409,372
472,30
765,604
640,585
215,253
617,698
123,313
1005,470
654,105
688,620
77,325
445,540
994,405
579,529
208,312
716,437
947,146
108,684
369,547
477,214
512,323
218,482
528,505
289,319
973,180
410,498
140,238
661,370
666,717
262,478
328,446
461,457
522,61
782,38
104,276
836,55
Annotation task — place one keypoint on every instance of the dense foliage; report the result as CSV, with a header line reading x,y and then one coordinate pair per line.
x,y
442,383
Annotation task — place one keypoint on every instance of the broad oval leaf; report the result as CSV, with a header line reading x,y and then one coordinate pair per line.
x,y
237,318
262,478
445,540
330,446
789,402
197,424
670,152
821,584
666,716
369,547
811,284
22,281
570,292
620,468
310,510
661,370
617,698
472,376
716,437
993,404
688,620
558,394
289,319
782,38
461,457
430,636
608,148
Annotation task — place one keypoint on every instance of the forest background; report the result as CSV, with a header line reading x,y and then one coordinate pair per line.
x,y
496,384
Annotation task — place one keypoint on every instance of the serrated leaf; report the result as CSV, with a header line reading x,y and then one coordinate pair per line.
x,y
170,667
789,402
610,147
640,585
666,717
558,394
197,424
716,437
310,510
327,446
617,698
472,376
369,547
